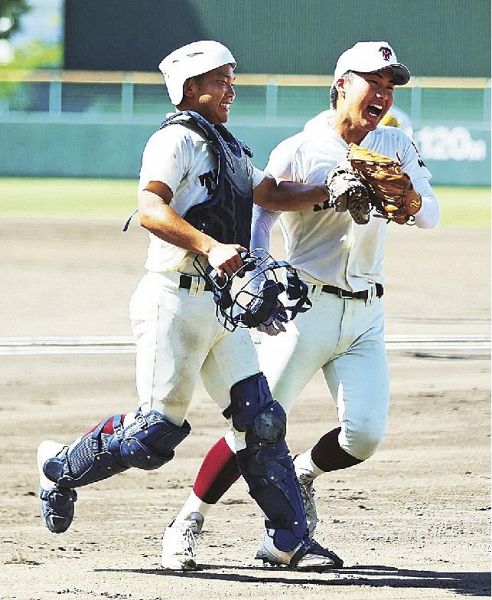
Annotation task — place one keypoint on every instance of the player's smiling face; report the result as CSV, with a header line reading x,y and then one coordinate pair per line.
x,y
211,94
367,97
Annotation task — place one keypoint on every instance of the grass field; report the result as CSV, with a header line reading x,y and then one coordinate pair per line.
x,y
467,207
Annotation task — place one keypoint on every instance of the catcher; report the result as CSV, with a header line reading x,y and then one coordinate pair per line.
x,y
196,192
377,180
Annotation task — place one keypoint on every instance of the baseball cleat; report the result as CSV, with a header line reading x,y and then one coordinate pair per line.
x,y
308,499
57,504
179,544
306,483
307,556
195,522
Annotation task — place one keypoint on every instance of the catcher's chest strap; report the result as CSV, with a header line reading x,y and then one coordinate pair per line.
x,y
364,295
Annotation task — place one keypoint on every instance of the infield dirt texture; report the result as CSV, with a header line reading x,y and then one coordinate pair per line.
x,y
413,522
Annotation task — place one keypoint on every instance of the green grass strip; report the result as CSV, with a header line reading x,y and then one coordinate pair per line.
x,y
461,207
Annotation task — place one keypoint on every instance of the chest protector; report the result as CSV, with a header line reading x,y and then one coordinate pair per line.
x,y
226,213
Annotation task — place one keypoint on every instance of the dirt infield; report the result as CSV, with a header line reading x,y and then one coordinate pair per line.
x,y
413,522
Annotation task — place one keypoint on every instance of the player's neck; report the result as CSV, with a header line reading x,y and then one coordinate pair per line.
x,y
351,135
349,131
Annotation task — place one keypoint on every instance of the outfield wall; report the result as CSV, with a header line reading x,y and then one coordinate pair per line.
x,y
81,124
456,155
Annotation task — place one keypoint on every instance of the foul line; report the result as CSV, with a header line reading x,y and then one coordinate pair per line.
x,y
125,345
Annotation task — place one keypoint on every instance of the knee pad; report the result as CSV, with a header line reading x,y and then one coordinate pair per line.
x,y
147,443
254,411
249,397
265,463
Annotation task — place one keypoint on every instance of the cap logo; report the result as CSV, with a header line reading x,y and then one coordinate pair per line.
x,y
386,52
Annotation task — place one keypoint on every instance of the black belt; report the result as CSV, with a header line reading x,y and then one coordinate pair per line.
x,y
185,282
331,289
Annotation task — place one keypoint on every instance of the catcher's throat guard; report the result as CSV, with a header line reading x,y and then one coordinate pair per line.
x,y
251,296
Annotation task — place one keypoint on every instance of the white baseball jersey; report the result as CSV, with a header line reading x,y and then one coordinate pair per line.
x,y
177,334
342,337
326,246
184,161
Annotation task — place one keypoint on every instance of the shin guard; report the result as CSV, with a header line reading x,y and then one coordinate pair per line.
x,y
147,443
265,463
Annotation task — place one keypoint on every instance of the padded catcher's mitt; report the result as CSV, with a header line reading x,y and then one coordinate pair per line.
x,y
390,189
347,192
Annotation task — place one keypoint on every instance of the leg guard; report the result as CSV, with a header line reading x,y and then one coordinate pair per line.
x,y
147,443
265,463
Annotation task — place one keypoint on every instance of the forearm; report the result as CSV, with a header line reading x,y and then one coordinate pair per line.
x,y
428,215
298,196
164,222
288,195
261,226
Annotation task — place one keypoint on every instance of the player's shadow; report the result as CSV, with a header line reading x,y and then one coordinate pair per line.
x,y
474,584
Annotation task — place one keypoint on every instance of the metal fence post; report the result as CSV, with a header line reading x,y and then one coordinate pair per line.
x,y
271,97
55,96
486,105
127,96
416,104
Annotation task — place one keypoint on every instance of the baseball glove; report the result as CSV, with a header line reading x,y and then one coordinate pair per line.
x,y
346,191
390,190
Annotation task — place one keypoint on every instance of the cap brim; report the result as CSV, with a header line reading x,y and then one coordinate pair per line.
x,y
401,75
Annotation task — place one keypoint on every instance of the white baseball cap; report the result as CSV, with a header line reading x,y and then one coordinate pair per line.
x,y
367,57
191,60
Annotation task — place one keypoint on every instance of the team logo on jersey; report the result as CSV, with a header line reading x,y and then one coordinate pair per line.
x,y
386,52
421,163
209,180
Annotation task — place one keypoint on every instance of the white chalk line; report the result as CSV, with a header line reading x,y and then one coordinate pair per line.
x,y
57,345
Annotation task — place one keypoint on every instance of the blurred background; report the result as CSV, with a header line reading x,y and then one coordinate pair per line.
x,y
80,91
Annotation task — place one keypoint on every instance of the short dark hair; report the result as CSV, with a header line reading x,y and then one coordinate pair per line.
x,y
333,96
197,78
333,90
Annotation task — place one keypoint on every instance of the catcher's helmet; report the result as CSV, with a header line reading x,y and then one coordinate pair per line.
x,y
251,296
192,60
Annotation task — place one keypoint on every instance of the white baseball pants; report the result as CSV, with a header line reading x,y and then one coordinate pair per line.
x,y
345,339
178,339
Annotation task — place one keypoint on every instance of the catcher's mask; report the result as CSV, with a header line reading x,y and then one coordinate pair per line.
x,y
250,297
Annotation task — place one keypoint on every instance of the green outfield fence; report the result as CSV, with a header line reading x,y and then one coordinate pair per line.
x,y
95,124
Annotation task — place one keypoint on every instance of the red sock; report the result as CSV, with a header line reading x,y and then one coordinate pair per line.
x,y
218,472
108,424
